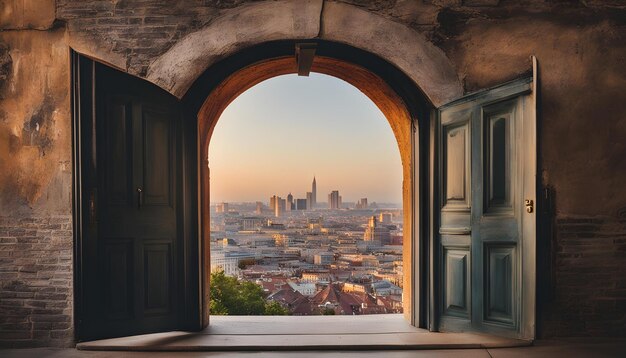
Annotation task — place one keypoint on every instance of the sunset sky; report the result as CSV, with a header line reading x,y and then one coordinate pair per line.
x,y
274,137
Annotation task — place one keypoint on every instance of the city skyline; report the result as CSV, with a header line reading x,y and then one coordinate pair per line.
x,y
342,139
308,196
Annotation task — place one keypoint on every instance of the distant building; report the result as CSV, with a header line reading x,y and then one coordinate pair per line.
x,y
325,258
259,208
279,210
293,300
228,261
315,223
306,289
374,232
277,205
356,287
362,204
251,223
301,204
309,200
385,218
334,200
273,203
313,194
282,240
385,288
221,208
289,205
316,276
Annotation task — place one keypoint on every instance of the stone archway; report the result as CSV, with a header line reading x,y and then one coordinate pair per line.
x,y
373,86
256,23
431,75
424,65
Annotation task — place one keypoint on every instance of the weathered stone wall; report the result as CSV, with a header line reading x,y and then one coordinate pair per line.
x,y
36,281
581,48
36,295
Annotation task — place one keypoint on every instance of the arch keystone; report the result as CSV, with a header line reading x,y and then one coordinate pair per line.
x,y
244,26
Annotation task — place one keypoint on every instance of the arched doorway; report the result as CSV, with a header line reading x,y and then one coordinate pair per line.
x,y
468,270
401,112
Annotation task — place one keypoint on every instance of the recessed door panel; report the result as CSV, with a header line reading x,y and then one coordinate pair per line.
x,y
118,271
158,154
500,280
456,281
157,277
456,167
118,139
499,148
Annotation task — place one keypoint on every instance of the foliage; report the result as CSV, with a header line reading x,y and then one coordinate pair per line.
x,y
230,296
328,312
273,308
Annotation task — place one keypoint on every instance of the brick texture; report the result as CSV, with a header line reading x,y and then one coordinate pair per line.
x,y
141,30
589,292
36,282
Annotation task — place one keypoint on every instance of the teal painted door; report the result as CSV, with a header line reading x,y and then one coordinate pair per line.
x,y
484,248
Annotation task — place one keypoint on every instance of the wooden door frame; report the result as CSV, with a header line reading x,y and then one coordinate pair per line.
x,y
393,92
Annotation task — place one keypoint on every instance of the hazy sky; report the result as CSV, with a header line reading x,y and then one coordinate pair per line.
x,y
274,137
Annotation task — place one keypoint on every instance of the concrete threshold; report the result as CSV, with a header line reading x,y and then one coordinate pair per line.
x,y
291,333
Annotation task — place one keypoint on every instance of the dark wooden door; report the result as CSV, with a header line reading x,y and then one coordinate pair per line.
x,y
485,244
133,276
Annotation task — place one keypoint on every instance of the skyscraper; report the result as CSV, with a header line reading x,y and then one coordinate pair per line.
x,y
309,200
334,200
314,192
280,207
273,203
289,205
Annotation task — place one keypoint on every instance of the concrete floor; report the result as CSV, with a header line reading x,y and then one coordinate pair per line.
x,y
291,333
344,337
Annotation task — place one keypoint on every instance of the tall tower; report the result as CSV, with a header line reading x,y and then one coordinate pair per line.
x,y
334,200
314,192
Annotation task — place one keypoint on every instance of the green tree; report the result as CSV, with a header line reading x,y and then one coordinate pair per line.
x,y
273,308
230,296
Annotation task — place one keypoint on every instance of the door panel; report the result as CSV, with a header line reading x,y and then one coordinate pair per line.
x,y
456,281
485,240
118,268
133,248
157,153
499,284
